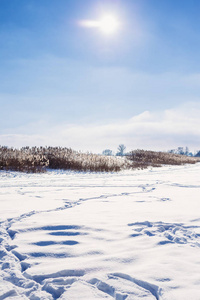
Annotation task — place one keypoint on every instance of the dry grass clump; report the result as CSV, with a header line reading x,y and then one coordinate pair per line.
x,y
38,159
24,160
68,159
143,159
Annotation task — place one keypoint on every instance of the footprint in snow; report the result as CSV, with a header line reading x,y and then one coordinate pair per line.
x,y
170,233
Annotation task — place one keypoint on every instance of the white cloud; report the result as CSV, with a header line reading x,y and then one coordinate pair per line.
x,y
150,130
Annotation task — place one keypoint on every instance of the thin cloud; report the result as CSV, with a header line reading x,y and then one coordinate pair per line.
x,y
150,130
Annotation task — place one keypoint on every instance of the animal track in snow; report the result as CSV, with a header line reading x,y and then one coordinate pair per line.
x,y
122,286
170,232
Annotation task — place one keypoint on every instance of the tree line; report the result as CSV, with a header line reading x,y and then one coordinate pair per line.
x,y
180,150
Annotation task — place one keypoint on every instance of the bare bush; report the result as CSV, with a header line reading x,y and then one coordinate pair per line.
x,y
26,159
38,159
143,159
68,159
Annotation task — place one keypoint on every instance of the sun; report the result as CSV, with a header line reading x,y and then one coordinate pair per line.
x,y
108,24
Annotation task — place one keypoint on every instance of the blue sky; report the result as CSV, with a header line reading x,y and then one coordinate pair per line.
x,y
62,84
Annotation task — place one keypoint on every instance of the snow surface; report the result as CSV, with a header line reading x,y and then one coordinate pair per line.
x,y
128,235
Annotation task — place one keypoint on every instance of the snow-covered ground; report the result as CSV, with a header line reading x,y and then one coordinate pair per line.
x,y
84,236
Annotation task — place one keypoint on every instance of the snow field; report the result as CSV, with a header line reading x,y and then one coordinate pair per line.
x,y
127,235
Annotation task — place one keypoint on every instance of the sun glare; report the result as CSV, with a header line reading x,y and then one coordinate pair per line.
x,y
108,24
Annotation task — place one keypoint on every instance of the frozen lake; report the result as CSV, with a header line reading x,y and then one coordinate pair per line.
x,y
87,236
